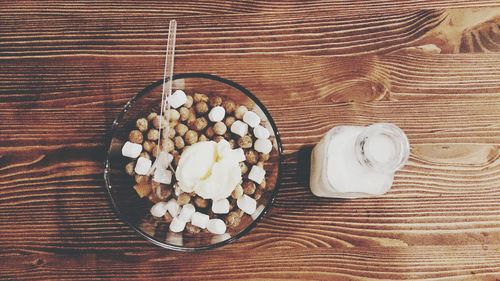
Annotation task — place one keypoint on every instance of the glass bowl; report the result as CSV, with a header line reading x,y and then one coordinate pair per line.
x,y
135,211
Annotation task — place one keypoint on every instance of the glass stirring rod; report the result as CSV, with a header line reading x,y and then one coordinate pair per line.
x,y
166,92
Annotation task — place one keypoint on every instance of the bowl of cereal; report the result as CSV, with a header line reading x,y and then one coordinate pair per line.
x,y
199,173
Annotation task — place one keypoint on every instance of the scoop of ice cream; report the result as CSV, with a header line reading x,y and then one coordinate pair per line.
x,y
195,164
209,169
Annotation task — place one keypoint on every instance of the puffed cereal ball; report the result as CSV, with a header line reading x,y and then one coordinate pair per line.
x,y
148,145
179,142
219,128
152,116
129,168
252,156
183,113
181,129
233,219
215,101
229,121
200,98
135,136
142,124
183,199
174,115
248,187
245,142
201,107
153,134
191,137
200,124
240,111
229,106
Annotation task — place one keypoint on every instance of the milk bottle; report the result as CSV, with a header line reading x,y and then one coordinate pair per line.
x,y
356,161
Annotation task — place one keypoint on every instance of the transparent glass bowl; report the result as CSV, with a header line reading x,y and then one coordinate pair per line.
x,y
135,211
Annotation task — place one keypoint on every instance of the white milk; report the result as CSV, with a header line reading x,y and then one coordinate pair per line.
x,y
354,161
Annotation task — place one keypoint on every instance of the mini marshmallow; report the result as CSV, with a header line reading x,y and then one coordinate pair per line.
x,y
251,118
162,161
187,212
217,114
173,207
261,132
239,128
257,212
263,145
131,150
200,220
247,204
142,166
158,210
162,175
177,225
220,206
238,154
216,226
177,99
257,174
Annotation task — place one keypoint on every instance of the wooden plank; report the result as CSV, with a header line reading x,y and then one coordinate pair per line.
x,y
400,263
262,33
296,33
79,82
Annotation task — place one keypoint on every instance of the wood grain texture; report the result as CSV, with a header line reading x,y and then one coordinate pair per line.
x,y
432,68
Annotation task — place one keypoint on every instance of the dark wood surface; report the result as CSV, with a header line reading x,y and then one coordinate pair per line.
x,y
433,68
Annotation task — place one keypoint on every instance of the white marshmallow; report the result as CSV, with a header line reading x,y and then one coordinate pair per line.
x,y
261,132
247,204
238,154
131,150
177,99
257,174
257,212
177,225
200,220
251,118
239,128
162,161
263,145
220,206
217,114
158,210
216,226
162,175
187,212
142,166
173,207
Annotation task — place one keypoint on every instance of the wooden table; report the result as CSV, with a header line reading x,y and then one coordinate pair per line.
x,y
67,68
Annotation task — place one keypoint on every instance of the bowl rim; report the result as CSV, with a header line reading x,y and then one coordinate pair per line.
x,y
142,93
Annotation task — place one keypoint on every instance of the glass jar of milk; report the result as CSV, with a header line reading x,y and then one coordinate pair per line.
x,y
355,161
